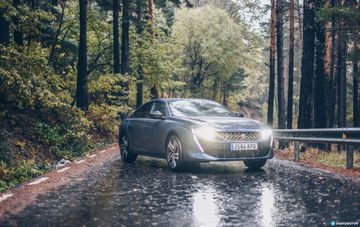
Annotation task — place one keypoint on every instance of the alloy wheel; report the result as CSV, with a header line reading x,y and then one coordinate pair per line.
x,y
126,154
174,150
124,147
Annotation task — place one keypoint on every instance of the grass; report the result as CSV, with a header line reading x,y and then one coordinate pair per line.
x,y
23,170
334,159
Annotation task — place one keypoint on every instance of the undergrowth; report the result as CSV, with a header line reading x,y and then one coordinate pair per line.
x,y
334,159
39,123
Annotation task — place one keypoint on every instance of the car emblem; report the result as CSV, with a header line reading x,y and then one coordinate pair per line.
x,y
242,136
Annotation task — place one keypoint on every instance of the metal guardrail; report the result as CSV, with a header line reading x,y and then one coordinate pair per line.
x,y
349,137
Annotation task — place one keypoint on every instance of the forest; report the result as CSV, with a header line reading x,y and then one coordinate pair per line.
x,y
70,69
317,69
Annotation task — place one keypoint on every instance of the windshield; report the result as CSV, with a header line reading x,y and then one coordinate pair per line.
x,y
194,108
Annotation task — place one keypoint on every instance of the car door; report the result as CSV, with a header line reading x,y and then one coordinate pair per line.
x,y
136,131
155,129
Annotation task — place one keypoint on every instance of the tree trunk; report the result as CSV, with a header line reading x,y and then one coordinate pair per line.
x,y
341,73
291,68
51,56
270,114
307,67
125,58
116,8
154,90
154,93
139,92
320,82
327,60
139,30
343,77
81,90
343,85
125,67
18,35
339,70
355,61
4,29
298,51
327,66
151,16
356,110
280,63
300,23
224,101
332,81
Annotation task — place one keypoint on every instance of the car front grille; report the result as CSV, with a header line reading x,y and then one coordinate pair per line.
x,y
239,136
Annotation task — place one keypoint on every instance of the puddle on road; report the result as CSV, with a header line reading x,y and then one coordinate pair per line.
x,y
217,194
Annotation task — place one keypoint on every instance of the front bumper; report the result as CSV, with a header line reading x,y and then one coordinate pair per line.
x,y
211,151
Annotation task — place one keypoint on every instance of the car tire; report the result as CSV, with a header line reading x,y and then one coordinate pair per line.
x,y
126,154
255,163
174,155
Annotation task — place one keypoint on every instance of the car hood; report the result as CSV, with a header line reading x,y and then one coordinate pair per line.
x,y
226,123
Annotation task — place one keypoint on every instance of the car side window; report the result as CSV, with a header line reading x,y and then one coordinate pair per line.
x,y
143,112
158,106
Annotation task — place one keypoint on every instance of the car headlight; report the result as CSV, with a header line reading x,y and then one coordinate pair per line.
x,y
205,132
266,134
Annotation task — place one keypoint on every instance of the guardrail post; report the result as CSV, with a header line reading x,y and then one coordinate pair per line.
x,y
296,152
349,156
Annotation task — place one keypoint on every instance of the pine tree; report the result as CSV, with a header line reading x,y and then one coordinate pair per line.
x,y
291,68
280,64
4,29
320,81
270,113
81,90
305,119
139,31
125,67
116,6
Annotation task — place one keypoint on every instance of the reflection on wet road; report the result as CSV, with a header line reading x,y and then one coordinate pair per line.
x,y
217,194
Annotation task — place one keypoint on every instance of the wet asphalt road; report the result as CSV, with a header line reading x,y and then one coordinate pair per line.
x,y
217,194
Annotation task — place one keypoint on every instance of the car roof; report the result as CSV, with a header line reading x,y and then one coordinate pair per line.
x,y
167,100
179,99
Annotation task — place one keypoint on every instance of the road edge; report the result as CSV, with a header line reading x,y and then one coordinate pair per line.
x,y
313,169
15,199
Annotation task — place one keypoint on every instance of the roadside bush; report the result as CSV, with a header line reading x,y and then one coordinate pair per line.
x,y
63,142
22,78
105,94
6,154
21,171
36,107
107,90
104,118
25,170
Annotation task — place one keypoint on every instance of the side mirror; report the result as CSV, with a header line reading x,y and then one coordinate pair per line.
x,y
157,115
239,114
123,116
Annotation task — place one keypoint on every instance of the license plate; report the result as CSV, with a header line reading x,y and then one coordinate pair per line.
x,y
243,146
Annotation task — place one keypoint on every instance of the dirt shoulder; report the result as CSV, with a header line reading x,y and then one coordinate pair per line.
x,y
314,159
17,198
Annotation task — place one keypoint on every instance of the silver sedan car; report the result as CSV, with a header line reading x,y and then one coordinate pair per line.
x,y
185,131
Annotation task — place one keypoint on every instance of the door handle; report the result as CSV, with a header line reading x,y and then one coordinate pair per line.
x,y
146,125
